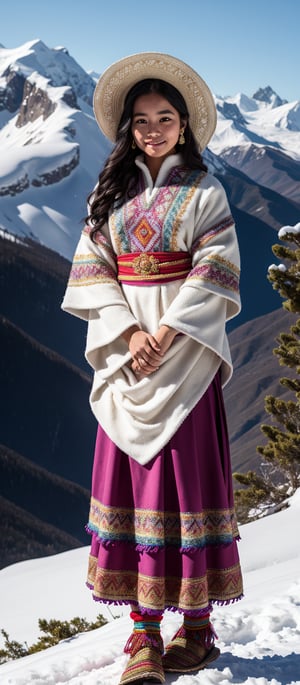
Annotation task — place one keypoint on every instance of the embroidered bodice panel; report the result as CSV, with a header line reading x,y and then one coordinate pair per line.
x,y
152,220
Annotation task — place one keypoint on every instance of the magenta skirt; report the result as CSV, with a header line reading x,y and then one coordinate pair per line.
x,y
164,535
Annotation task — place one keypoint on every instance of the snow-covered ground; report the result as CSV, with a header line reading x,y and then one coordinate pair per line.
x,y
259,637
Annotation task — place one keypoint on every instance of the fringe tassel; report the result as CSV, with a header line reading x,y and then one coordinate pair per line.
x,y
137,641
205,636
146,633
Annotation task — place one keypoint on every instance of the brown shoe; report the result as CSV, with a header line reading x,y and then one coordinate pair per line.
x,y
145,662
184,655
145,665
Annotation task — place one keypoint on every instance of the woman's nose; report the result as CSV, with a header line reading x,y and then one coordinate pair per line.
x,y
153,128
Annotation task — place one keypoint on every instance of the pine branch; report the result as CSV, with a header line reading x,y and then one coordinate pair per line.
x,y
280,471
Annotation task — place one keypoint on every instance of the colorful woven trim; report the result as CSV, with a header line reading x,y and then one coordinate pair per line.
x,y
199,629
149,529
189,595
195,623
217,271
148,268
146,632
90,269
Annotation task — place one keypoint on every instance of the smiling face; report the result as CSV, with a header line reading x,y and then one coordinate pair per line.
x,y
155,127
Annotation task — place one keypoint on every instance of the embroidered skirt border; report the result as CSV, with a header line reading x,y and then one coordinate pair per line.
x,y
150,529
191,595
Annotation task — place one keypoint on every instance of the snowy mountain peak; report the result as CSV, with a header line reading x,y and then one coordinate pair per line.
x,y
269,96
54,64
61,48
47,132
244,103
231,111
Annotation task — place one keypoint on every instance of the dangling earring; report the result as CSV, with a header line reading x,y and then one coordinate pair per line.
x,y
181,139
133,145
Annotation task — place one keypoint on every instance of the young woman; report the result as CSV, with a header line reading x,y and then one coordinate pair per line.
x,y
156,275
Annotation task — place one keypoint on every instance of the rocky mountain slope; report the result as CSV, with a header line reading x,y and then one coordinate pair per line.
x,y
256,374
41,513
47,429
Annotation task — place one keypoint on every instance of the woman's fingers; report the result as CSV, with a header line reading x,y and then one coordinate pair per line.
x,y
148,365
142,368
142,345
155,346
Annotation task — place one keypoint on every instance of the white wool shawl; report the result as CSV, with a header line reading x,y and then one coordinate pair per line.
x,y
141,416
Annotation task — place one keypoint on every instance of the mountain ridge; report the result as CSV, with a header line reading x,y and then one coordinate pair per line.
x,y
29,521
55,149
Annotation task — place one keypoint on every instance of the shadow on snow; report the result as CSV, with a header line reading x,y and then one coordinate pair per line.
x,y
284,669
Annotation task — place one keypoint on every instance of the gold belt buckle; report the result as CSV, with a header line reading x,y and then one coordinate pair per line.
x,y
146,264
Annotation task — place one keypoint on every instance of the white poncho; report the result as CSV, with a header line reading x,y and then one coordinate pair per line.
x,y
184,210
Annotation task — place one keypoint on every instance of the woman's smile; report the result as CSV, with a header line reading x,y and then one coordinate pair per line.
x,y
154,143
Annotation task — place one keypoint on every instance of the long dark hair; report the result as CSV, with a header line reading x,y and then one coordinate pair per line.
x,y
119,176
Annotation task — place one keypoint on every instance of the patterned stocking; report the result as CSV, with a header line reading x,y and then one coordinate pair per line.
x,y
145,647
198,628
146,632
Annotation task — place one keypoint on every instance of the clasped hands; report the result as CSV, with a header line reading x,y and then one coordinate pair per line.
x,y
147,351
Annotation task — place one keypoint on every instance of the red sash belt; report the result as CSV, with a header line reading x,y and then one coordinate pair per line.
x,y
148,268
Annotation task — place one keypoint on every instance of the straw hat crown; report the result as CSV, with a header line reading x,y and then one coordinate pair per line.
x,y
114,84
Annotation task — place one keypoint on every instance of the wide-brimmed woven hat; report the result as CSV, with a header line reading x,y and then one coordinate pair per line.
x,y
120,77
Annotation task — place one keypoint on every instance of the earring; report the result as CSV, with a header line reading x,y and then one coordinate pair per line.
x,y
181,139
133,145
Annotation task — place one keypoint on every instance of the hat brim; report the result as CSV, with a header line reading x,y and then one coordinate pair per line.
x,y
114,84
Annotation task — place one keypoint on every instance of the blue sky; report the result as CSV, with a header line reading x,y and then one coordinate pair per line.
x,y
236,45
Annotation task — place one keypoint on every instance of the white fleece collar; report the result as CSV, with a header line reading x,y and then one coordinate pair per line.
x,y
168,164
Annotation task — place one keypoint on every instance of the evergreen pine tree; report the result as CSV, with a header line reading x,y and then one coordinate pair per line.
x,y
280,471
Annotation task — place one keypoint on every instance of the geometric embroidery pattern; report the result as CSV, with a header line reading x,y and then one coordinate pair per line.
x,y
147,529
153,225
159,593
213,232
218,271
143,233
90,269
100,239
